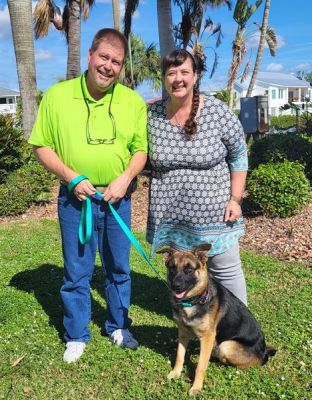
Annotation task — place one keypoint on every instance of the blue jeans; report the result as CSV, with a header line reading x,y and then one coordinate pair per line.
x,y
114,249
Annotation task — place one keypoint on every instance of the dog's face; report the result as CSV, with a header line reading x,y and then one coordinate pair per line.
x,y
186,271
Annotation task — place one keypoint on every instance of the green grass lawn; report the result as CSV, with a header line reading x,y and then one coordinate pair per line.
x,y
31,347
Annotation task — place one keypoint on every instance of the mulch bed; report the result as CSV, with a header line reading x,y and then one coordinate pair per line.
x,y
286,239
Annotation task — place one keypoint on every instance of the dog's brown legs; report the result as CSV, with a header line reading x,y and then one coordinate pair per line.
x,y
234,353
184,339
206,344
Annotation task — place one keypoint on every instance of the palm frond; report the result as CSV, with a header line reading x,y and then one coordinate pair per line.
x,y
219,37
271,39
246,71
86,6
243,11
208,25
214,65
218,3
42,17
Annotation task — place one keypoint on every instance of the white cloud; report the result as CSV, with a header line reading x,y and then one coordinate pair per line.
x,y
43,55
301,67
273,67
5,26
253,42
280,42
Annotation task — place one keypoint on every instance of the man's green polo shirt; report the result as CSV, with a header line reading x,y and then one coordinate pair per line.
x,y
61,124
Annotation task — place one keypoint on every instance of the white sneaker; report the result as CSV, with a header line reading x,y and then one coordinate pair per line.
x,y
123,338
74,350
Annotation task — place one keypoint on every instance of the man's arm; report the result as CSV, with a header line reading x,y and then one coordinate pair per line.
x,y
50,160
118,187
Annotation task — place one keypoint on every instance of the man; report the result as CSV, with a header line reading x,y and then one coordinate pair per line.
x,y
91,132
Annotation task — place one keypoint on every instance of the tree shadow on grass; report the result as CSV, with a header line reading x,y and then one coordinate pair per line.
x,y
148,293
44,283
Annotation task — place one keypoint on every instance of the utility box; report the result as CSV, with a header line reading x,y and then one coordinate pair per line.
x,y
254,114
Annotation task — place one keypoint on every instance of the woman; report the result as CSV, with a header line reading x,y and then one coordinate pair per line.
x,y
199,165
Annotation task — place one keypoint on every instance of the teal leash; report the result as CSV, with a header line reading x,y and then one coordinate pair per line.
x,y
85,230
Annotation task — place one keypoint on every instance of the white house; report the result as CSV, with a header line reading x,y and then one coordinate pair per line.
x,y
8,100
279,87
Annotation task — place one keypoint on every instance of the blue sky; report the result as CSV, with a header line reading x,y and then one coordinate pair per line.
x,y
292,21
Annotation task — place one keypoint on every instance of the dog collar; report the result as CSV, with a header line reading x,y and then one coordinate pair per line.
x,y
200,299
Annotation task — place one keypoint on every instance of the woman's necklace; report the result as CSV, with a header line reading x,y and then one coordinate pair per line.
x,y
174,117
178,122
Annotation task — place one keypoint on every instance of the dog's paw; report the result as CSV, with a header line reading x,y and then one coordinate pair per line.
x,y
174,374
194,390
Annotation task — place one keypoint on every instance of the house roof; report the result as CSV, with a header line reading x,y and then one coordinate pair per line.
x,y
275,79
8,92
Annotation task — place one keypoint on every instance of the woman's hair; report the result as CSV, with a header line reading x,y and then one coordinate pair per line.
x,y
176,58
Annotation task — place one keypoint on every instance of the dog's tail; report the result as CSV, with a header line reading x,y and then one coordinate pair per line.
x,y
269,352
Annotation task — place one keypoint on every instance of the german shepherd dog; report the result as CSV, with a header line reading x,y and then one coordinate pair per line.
x,y
204,308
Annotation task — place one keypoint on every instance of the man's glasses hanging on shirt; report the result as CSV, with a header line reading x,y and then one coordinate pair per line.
x,y
90,138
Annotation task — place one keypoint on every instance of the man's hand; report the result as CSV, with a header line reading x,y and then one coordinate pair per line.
x,y
117,189
83,190
233,211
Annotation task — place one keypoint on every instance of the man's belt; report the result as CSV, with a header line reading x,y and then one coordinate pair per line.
x,y
101,189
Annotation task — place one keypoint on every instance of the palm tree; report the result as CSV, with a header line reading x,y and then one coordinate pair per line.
x,y
21,23
70,24
192,28
243,11
165,27
145,64
267,34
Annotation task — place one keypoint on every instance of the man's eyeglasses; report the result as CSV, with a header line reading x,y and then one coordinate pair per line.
x,y
90,139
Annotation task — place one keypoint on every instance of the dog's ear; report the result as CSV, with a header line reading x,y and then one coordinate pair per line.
x,y
167,252
201,252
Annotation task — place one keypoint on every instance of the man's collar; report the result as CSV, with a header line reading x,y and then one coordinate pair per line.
x,y
81,91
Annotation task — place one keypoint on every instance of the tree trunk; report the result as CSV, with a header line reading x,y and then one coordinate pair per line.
x,y
260,48
116,17
21,24
73,54
116,14
165,30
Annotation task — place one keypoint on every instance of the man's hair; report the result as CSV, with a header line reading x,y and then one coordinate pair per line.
x,y
112,35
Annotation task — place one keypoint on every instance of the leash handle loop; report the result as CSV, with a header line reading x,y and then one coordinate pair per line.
x,y
75,182
85,224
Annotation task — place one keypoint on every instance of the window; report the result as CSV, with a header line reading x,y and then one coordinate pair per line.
x,y
273,93
10,101
3,100
280,93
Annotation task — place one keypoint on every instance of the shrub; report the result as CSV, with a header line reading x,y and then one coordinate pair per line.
x,y
30,183
283,121
280,189
12,147
277,148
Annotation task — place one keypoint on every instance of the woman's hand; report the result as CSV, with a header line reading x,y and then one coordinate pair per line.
x,y
233,211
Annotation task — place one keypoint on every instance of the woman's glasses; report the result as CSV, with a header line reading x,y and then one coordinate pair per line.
x,y
93,140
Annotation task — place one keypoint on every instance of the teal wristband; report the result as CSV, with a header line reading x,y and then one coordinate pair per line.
x,y
75,182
